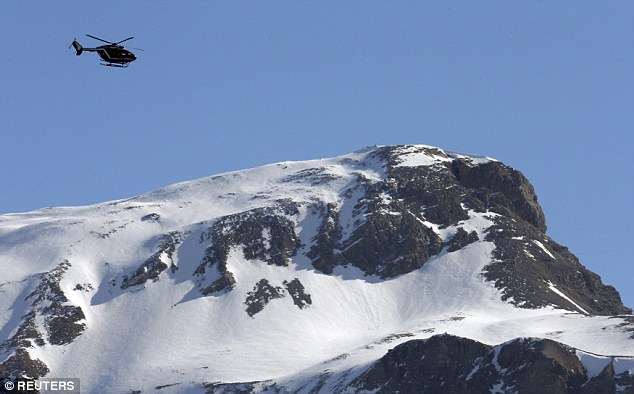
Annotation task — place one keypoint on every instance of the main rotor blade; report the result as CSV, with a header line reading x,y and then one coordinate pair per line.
x,y
97,38
129,38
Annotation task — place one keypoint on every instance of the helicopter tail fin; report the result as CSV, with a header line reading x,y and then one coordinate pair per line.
x,y
77,47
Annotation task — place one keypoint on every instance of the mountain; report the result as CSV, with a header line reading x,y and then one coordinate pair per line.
x,y
393,268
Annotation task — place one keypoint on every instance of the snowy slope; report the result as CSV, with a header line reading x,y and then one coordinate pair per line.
x,y
164,331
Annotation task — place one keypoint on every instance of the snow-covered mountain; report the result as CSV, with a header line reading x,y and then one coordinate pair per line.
x,y
392,268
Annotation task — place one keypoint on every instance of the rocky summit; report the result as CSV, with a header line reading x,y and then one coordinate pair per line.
x,y
390,269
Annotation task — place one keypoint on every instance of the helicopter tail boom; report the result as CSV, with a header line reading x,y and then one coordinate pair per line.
x,y
77,47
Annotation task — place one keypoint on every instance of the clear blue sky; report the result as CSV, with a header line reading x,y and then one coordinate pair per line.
x,y
546,87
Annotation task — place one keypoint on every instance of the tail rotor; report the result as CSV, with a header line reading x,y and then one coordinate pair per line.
x,y
77,46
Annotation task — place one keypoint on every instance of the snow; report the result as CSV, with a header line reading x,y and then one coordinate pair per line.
x,y
593,364
542,247
422,156
623,364
349,219
165,332
552,287
425,155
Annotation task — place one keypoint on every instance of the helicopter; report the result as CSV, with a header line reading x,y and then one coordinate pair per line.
x,y
114,54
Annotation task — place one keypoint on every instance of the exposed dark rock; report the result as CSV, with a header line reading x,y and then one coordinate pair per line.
x,y
151,217
270,238
266,234
604,383
230,388
393,236
502,189
393,337
389,245
448,364
461,239
431,193
21,364
48,289
322,253
155,264
393,239
389,240
226,282
524,362
83,287
527,262
215,260
262,293
26,333
314,176
165,386
387,230
439,364
298,293
63,323
623,383
62,326
444,188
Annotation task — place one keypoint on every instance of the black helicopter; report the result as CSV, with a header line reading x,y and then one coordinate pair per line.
x,y
114,54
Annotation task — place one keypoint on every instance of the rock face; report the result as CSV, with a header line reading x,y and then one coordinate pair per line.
x,y
446,364
501,189
397,235
51,320
296,289
529,263
449,364
265,234
155,264
262,293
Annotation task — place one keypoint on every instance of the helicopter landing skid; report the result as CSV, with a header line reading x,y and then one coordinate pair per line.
x,y
114,65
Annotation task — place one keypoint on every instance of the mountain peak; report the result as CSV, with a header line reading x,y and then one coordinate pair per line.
x,y
223,278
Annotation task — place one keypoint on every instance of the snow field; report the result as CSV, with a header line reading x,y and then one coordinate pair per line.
x,y
164,331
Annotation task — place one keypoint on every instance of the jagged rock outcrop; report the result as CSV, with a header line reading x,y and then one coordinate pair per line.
x,y
449,364
50,309
501,189
429,366
298,293
528,265
20,364
266,234
262,294
155,264
461,239
392,230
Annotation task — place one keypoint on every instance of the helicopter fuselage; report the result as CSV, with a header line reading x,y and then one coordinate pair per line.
x,y
113,54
